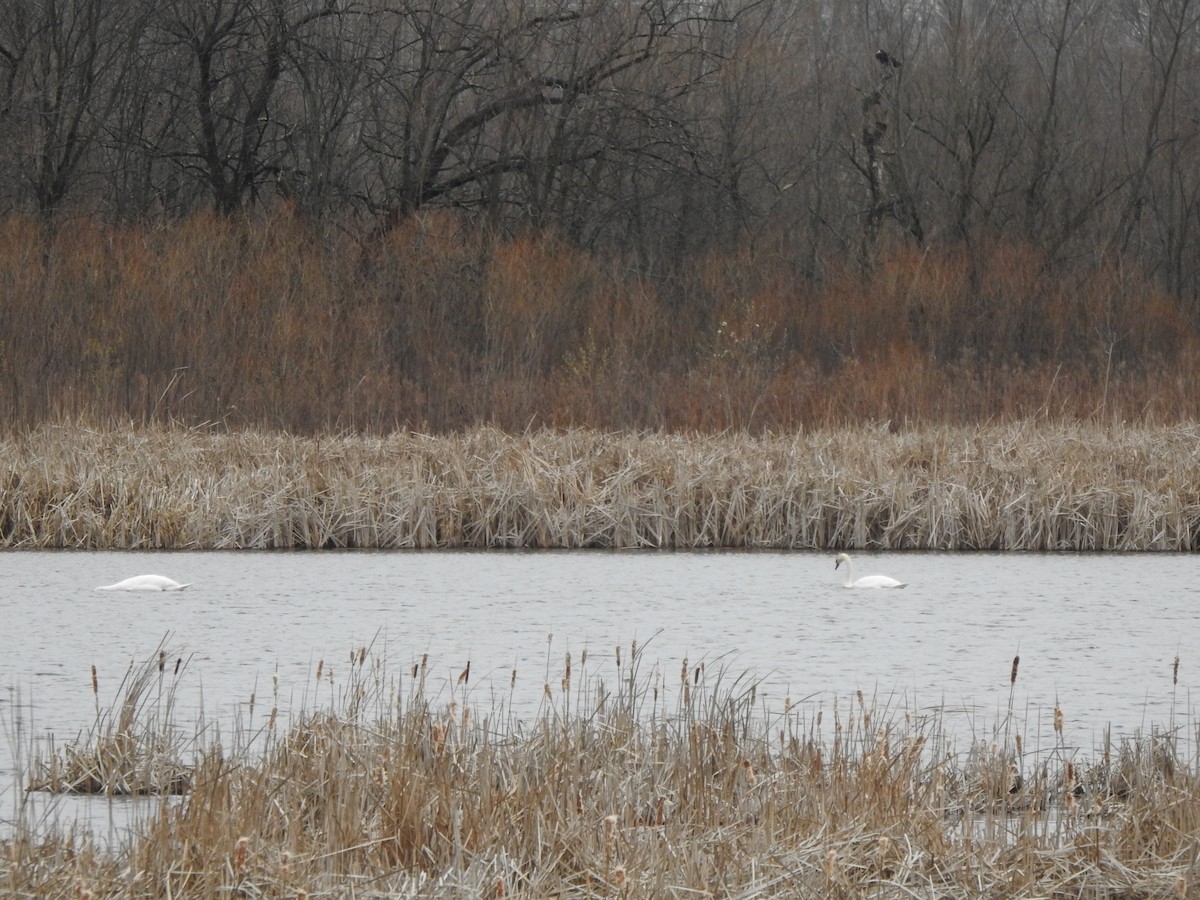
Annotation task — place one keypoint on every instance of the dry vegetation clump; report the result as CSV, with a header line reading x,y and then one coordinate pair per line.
x,y
133,749
635,784
1022,486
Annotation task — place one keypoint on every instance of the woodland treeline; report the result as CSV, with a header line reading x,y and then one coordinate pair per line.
x,y
749,214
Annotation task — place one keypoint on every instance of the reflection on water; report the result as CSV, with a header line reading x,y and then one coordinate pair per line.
x,y
1096,634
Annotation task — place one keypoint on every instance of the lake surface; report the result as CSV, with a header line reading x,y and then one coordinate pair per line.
x,y
1097,634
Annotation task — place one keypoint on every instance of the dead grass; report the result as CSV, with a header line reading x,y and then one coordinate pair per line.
x,y
633,783
132,748
1023,486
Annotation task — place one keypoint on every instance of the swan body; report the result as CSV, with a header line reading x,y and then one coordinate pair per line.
x,y
146,583
867,581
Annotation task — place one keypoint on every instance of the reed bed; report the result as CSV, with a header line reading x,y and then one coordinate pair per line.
x,y
1024,486
632,781
133,748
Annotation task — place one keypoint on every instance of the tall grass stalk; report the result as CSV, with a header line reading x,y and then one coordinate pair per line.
x,y
1030,486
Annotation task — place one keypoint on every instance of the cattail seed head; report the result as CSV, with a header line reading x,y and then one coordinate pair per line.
x,y
1058,719
95,682
320,668
1175,672
239,855
1012,677
831,865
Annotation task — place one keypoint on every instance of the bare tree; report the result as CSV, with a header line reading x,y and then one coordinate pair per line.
x,y
61,67
236,51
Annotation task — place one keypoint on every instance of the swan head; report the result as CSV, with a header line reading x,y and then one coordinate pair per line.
x,y
841,558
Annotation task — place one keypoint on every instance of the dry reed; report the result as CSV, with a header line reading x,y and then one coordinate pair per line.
x,y
626,785
1030,486
136,751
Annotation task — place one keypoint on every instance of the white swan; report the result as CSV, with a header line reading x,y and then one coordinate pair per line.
x,y
867,581
146,583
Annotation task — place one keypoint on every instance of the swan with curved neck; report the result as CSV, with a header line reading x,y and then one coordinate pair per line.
x,y
146,583
867,581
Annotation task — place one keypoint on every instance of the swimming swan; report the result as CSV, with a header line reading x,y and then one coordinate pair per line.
x,y
867,581
146,583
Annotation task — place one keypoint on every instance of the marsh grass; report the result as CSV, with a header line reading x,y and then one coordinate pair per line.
x,y
634,781
1028,486
133,748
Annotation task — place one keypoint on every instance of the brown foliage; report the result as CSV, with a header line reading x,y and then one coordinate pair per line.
x,y
439,325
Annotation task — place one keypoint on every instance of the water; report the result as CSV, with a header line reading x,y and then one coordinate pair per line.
x,y
1097,634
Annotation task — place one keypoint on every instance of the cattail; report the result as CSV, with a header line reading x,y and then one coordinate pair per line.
x,y
618,656
1175,672
465,674
512,681
1020,745
285,862
414,670
178,665
95,682
610,839
362,655
1012,677
498,889
1058,719
610,828
424,661
162,662
239,855
748,768
831,866
320,668
620,877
